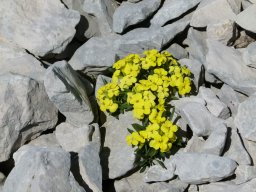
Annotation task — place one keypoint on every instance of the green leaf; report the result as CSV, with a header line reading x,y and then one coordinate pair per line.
x,y
145,122
143,169
174,98
137,127
152,152
172,113
130,131
161,164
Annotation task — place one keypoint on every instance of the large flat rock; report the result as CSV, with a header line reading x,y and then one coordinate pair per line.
x,y
246,19
26,111
41,27
41,169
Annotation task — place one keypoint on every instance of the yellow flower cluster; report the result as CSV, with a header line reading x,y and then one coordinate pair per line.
x,y
147,83
160,136
106,95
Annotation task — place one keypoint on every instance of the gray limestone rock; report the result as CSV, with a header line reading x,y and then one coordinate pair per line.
x,y
134,1
249,55
197,48
195,144
213,104
172,9
244,173
229,67
128,14
220,10
97,52
41,27
45,140
88,26
236,5
117,156
228,96
134,183
224,32
250,147
71,138
158,173
103,10
69,93
252,1
216,141
200,120
228,187
245,119
235,148
243,40
140,39
41,169
90,168
26,111
196,69
196,168
16,60
177,51
246,19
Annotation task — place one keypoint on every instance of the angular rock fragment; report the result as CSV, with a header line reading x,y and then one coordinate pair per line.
x,y
41,169
90,168
229,187
70,93
140,39
41,27
224,32
244,173
98,52
249,55
235,148
45,140
26,111
229,67
177,51
206,167
158,173
172,9
214,105
220,10
245,119
200,120
71,138
103,10
16,60
117,156
246,19
128,14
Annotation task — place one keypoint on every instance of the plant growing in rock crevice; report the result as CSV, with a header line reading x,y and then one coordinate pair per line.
x,y
146,84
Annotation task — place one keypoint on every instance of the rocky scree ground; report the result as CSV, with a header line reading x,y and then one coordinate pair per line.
x,y
53,57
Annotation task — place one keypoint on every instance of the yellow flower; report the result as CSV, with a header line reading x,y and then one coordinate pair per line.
x,y
113,107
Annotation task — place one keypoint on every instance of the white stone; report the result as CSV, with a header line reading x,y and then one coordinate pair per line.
x,y
246,19
177,51
128,14
41,27
26,111
220,10
70,93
